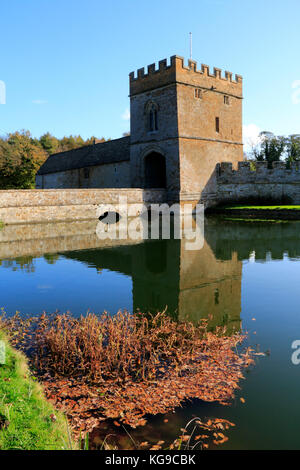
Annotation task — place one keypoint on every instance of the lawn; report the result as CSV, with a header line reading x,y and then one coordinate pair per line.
x,y
270,208
27,420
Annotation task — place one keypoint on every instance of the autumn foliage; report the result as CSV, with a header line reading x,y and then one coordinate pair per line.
x,y
126,367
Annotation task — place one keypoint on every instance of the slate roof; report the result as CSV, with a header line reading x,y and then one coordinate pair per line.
x,y
112,151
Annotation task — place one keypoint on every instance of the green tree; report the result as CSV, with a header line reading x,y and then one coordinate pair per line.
x,y
271,148
293,148
49,143
71,142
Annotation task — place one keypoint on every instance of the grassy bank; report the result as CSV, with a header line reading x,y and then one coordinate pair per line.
x,y
259,212
27,420
265,208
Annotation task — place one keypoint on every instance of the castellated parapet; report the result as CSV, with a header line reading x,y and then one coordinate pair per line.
x,y
183,122
257,181
164,75
259,172
198,125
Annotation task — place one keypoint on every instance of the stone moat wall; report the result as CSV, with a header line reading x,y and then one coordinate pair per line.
x,y
53,205
258,183
244,184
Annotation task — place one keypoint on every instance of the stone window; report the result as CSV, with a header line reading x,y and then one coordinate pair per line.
x,y
153,126
217,124
226,100
198,93
86,173
151,117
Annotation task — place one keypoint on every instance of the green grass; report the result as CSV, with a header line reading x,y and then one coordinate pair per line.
x,y
1,225
272,208
24,408
271,221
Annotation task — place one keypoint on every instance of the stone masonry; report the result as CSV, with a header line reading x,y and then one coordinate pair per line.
x,y
55,205
184,121
199,125
276,184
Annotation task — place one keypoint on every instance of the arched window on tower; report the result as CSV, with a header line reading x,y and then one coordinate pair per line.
x,y
151,117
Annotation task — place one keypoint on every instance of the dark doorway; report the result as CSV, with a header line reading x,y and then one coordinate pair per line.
x,y
155,170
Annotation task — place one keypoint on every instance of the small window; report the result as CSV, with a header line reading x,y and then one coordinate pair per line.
x,y
226,100
86,173
152,119
217,124
198,93
151,116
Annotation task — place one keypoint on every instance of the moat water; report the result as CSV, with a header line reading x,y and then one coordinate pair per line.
x,y
246,276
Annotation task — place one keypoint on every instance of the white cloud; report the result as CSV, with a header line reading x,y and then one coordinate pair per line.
x,y
126,115
296,94
251,136
39,101
2,92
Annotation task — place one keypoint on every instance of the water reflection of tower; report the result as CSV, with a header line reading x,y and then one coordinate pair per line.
x,y
209,286
191,284
155,276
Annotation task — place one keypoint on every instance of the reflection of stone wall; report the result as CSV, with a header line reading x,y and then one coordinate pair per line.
x,y
155,275
209,287
37,239
260,239
190,284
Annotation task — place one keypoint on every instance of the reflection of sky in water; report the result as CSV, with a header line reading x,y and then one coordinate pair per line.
x,y
65,285
244,272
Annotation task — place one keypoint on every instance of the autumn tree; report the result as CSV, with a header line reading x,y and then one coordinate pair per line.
x,y
21,155
20,158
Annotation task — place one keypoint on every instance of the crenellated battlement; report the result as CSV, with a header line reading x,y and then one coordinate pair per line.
x,y
177,71
257,181
251,171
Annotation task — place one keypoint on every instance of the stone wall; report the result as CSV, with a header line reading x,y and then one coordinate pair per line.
x,y
203,97
109,175
188,102
278,183
48,205
163,140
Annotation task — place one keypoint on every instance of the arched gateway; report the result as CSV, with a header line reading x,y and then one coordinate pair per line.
x,y
155,170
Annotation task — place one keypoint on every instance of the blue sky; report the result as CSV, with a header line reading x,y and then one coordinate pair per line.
x,y
65,63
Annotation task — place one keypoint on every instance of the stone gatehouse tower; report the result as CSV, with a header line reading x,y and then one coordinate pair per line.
x,y
184,121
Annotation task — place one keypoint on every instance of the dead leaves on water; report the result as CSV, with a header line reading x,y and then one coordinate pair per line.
x,y
130,366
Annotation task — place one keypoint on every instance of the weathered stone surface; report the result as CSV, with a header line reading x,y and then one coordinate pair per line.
x,y
34,206
277,183
188,101
112,175
196,121
38,239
